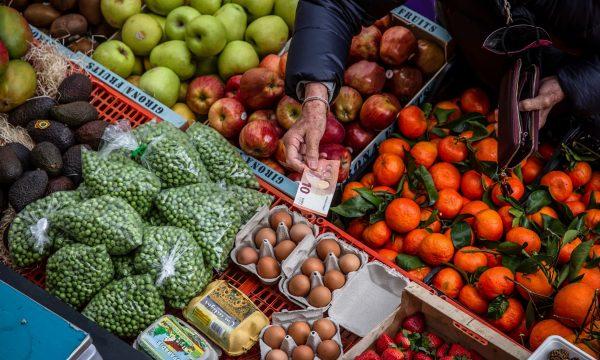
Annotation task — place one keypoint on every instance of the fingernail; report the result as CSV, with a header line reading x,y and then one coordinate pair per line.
x,y
313,164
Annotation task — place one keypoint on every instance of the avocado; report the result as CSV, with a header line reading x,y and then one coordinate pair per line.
x,y
72,162
61,183
74,114
30,187
91,133
46,156
23,153
32,109
10,166
76,87
53,131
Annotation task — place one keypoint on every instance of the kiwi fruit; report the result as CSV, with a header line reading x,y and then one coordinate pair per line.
x,y
41,15
91,10
69,25
83,45
63,5
19,5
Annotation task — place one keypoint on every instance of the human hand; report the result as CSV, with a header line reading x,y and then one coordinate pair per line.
x,y
549,95
302,139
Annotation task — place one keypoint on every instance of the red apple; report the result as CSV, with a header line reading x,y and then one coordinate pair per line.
x,y
430,57
283,65
347,104
270,62
203,91
334,131
357,137
4,58
268,115
384,23
379,111
406,82
260,88
365,46
397,45
338,152
232,87
288,112
227,116
259,139
280,154
295,176
365,76
273,165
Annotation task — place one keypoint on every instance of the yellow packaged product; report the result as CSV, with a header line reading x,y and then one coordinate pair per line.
x,y
226,316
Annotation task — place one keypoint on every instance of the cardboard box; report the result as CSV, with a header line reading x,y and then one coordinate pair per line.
x,y
447,321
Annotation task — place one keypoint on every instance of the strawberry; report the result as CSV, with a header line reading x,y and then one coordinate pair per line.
x,y
459,350
368,355
442,350
402,341
422,356
409,355
414,323
432,341
392,354
383,342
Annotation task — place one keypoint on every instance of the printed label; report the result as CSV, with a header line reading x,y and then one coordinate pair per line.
x,y
422,22
272,177
166,339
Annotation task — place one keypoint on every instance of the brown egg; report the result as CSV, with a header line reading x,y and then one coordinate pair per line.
x,y
268,267
273,336
349,263
325,328
328,350
303,352
283,249
299,331
312,264
299,231
276,354
264,233
334,279
247,255
278,217
327,246
299,285
319,297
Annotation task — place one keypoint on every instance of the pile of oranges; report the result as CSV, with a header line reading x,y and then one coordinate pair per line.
x,y
521,250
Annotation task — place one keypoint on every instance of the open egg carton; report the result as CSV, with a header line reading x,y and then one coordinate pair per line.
x,y
264,244
301,334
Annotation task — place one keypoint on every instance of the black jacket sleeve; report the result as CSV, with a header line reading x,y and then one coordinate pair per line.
x,y
322,37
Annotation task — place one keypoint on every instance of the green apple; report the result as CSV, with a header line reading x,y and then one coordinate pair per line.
x,y
141,32
205,36
177,20
237,57
176,56
16,85
234,19
182,91
115,12
206,66
15,32
116,57
185,112
138,66
162,84
286,9
256,8
206,7
267,34
163,7
162,22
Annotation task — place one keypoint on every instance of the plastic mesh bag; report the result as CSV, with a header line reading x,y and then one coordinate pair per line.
x,y
123,265
249,200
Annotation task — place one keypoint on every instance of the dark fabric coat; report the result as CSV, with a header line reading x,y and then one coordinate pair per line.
x,y
324,30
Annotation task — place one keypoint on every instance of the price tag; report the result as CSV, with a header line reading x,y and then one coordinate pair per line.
x,y
316,188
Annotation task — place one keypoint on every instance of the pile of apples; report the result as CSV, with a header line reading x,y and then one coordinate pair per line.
x,y
387,67
163,44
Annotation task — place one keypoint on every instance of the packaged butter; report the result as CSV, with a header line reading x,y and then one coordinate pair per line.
x,y
227,317
172,339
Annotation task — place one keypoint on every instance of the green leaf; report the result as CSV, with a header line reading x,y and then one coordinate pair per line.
x,y
432,218
353,208
442,115
529,314
497,307
527,266
368,195
461,234
562,276
537,200
438,132
510,248
479,131
462,124
427,107
425,177
409,262
511,262
487,198
519,172
553,226
569,236
577,223
578,257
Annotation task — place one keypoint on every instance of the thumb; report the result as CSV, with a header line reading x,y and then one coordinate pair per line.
x,y
312,149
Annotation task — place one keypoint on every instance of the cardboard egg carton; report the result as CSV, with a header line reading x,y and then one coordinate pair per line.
x,y
285,319
245,238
